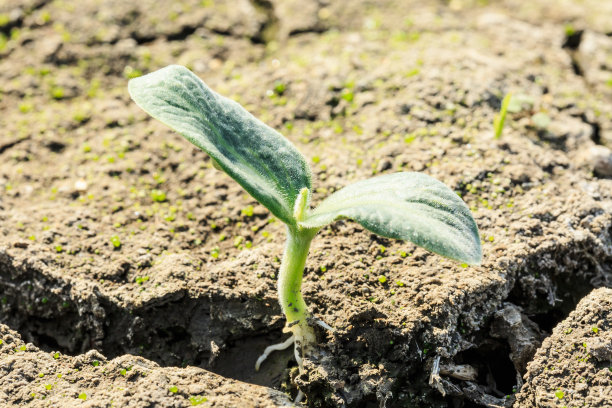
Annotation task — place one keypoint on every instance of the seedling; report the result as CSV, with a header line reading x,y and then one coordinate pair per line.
x,y
500,119
408,206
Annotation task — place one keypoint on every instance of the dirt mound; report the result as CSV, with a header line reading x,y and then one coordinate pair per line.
x,y
574,365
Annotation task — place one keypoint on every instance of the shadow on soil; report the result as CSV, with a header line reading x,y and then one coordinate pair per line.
x,y
189,331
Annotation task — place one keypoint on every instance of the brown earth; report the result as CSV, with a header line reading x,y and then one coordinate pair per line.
x,y
33,377
574,365
116,235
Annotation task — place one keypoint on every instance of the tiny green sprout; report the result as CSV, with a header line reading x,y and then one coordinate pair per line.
x,y
406,205
559,394
595,330
82,396
115,241
500,118
57,92
215,252
248,211
141,279
279,88
158,196
173,389
238,241
197,400
25,107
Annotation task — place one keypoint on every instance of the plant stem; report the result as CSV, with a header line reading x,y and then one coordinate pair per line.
x,y
290,288
290,275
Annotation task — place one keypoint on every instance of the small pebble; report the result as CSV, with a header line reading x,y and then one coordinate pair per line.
x,y
601,160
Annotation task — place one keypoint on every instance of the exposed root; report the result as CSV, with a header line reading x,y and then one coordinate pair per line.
x,y
298,358
324,325
303,340
274,347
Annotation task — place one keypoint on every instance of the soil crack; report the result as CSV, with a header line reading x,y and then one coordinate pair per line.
x,y
6,146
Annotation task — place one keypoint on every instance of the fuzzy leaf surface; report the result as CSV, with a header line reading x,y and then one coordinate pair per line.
x,y
409,206
259,158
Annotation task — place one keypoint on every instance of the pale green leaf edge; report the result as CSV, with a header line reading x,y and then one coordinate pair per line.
x,y
408,206
275,193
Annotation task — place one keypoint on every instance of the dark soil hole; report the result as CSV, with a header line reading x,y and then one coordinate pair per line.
x,y
238,360
44,342
185,32
548,320
172,334
55,146
175,333
573,39
577,68
495,369
553,281
596,137
543,310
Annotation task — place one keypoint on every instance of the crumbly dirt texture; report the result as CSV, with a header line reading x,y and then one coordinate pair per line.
x,y
117,235
573,367
35,378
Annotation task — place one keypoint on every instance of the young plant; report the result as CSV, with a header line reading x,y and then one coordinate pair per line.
x,y
500,119
408,206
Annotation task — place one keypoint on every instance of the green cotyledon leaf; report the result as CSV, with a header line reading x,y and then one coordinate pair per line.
x,y
259,158
409,206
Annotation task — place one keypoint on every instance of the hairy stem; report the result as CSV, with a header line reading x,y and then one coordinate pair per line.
x,y
290,286
290,276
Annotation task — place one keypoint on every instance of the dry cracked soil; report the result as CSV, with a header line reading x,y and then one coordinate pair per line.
x,y
135,274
